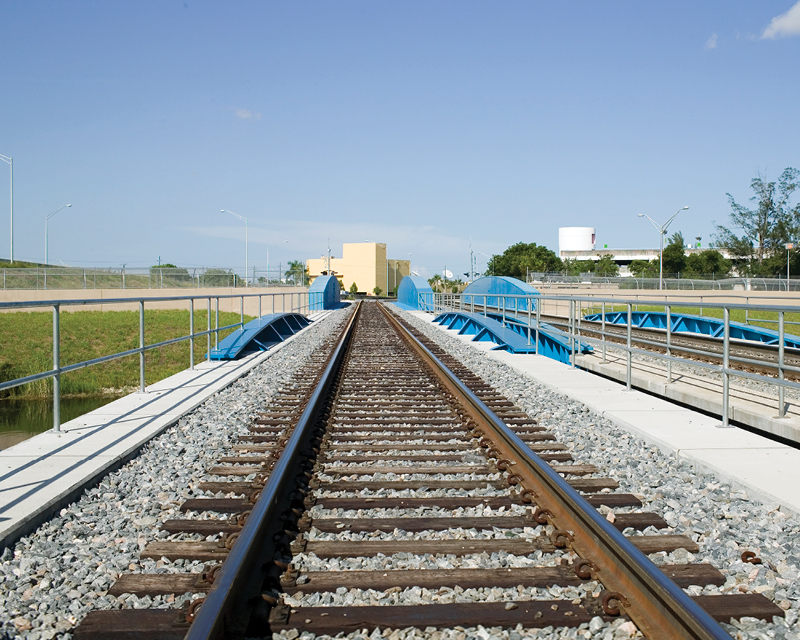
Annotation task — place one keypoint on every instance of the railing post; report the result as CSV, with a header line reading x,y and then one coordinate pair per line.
x,y
603,328
669,344
208,330
781,374
191,332
216,325
141,346
538,323
57,369
572,333
259,309
629,371
530,328
241,313
726,343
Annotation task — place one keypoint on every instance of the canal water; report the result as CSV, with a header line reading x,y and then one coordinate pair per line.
x,y
21,419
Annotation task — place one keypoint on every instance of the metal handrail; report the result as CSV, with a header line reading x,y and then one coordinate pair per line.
x,y
509,305
302,302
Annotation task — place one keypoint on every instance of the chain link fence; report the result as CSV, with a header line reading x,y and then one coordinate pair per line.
x,y
146,278
585,280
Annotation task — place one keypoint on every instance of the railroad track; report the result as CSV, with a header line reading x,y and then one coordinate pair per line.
x,y
393,488
686,345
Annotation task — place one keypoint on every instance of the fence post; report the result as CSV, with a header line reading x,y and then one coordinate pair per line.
x,y
208,330
726,342
629,372
259,309
241,312
538,323
572,333
57,369
191,332
216,325
603,328
781,388
530,328
669,343
141,346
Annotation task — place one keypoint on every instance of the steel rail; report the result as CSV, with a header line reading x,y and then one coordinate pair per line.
x,y
235,586
660,609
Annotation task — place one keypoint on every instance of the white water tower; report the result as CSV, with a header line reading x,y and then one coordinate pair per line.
x,y
575,239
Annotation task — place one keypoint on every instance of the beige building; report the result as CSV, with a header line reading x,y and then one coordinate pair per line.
x,y
364,263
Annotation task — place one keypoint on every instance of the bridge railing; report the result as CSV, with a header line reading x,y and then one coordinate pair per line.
x,y
298,302
529,309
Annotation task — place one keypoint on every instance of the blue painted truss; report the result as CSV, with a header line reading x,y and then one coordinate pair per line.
x,y
259,335
512,335
695,324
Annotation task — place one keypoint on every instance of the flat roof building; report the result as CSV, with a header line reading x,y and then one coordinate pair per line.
x,y
362,263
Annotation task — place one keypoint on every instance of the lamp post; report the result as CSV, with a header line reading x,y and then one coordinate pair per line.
x,y
487,262
10,162
245,241
46,241
662,231
272,246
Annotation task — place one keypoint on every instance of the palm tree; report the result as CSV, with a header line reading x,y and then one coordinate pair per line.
x,y
296,271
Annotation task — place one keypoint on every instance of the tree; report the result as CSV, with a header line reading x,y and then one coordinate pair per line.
x,y
377,291
707,263
354,288
765,228
519,258
576,267
644,268
674,255
295,271
606,266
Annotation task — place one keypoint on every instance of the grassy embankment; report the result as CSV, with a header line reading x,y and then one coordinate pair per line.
x,y
26,347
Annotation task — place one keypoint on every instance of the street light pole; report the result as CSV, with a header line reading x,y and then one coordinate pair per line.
x,y
246,264
662,230
46,241
10,162
272,246
487,262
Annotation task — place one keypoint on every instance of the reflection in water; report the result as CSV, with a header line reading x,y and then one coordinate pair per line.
x,y
21,419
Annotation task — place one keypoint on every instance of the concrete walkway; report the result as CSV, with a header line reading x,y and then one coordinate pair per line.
x,y
43,474
767,470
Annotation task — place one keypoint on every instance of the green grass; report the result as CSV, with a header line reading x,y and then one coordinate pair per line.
x,y
756,317
26,348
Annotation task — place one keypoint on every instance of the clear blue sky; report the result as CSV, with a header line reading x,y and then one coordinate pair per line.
x,y
419,124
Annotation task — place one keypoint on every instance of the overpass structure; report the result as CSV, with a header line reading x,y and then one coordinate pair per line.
x,y
624,257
